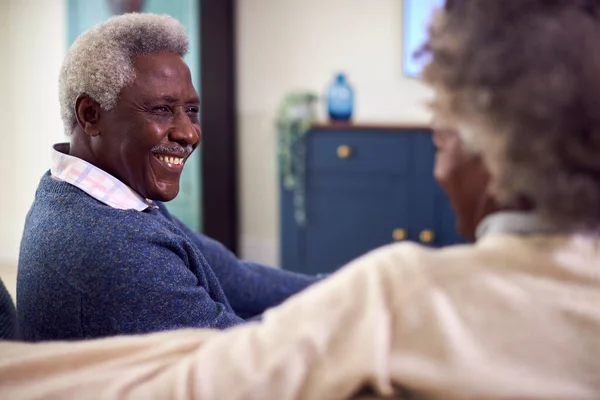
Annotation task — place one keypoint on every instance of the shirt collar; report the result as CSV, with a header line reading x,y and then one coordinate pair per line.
x,y
97,183
514,222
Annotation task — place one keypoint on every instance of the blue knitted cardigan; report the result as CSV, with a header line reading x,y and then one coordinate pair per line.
x,y
8,315
87,270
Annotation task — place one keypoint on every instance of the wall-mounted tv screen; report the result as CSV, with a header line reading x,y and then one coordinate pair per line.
x,y
417,14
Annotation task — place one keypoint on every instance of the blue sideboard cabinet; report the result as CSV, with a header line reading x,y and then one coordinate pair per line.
x,y
365,186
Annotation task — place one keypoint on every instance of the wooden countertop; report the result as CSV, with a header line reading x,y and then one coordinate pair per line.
x,y
369,125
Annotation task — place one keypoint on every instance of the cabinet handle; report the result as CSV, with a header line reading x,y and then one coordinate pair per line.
x,y
344,151
427,236
399,234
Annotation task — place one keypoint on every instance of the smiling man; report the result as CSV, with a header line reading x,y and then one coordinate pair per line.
x,y
100,254
147,137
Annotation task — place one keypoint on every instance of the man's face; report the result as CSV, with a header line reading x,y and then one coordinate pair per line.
x,y
146,138
464,178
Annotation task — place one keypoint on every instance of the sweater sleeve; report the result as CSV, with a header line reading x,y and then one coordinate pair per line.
x,y
250,288
304,349
148,287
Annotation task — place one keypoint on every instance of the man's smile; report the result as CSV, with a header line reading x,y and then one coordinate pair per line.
x,y
171,161
167,166
171,158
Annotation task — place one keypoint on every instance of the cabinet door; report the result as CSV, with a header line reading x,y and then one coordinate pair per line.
x,y
350,216
83,14
354,201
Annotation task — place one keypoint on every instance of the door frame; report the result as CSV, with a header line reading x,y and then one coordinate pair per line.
x,y
218,121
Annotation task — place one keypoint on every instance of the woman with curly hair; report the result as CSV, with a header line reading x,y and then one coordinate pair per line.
x,y
515,315
520,81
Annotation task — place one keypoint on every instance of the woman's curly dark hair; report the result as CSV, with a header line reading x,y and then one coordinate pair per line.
x,y
520,79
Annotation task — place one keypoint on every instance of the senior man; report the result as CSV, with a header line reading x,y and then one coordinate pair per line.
x,y
100,253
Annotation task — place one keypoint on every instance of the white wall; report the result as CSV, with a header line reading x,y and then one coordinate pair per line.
x,y
32,44
7,138
299,44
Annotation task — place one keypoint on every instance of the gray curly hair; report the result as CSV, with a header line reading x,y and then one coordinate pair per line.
x,y
99,63
520,79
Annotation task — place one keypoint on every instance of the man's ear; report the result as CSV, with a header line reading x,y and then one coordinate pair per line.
x,y
87,111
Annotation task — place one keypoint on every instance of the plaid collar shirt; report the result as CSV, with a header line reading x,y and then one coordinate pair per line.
x,y
97,183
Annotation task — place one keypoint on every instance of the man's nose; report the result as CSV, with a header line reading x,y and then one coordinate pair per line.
x,y
184,131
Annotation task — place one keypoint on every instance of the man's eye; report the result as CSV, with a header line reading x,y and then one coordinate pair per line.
x,y
161,109
193,110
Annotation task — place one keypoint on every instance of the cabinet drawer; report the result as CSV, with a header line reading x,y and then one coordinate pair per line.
x,y
363,151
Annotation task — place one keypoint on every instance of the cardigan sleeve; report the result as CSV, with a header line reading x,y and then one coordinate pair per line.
x,y
251,288
304,349
330,341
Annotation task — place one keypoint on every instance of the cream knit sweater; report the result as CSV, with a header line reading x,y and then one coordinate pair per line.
x,y
512,317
